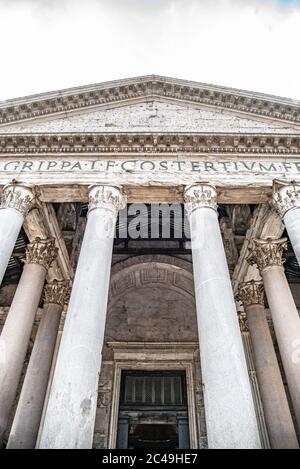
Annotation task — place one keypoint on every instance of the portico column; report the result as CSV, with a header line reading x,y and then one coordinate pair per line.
x,y
15,202
27,418
276,408
286,200
267,254
229,407
18,325
70,415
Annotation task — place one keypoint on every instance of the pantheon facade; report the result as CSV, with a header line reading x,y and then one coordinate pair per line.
x,y
117,332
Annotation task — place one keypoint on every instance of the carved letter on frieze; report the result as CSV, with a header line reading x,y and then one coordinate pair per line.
x,y
41,251
286,198
267,252
200,195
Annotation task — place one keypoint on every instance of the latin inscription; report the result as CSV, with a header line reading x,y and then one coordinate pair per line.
x,y
136,166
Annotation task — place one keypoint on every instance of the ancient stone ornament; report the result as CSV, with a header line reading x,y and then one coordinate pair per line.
x,y
198,196
18,198
251,293
286,198
57,292
151,85
143,143
42,252
267,252
108,197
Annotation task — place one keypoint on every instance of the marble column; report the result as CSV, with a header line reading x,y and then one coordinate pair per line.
x,y
277,413
229,407
15,202
70,414
27,418
16,332
286,200
267,254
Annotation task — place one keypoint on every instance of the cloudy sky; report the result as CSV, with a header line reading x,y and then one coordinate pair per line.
x,y
54,44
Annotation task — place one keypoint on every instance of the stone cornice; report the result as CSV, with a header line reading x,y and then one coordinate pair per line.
x,y
149,87
157,143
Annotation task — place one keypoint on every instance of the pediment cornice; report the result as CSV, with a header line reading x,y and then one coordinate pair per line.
x,y
150,87
149,143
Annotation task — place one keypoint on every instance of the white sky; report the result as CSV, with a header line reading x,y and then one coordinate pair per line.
x,y
48,45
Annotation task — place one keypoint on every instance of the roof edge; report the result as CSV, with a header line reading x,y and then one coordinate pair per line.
x,y
141,79
87,96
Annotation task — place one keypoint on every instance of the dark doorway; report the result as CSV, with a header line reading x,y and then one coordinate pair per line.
x,y
153,436
153,410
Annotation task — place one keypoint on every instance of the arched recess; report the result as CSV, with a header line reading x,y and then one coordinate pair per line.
x,y
144,270
151,298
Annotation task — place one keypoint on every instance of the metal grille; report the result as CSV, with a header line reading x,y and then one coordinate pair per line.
x,y
153,390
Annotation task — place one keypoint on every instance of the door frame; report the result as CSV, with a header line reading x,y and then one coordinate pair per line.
x,y
175,361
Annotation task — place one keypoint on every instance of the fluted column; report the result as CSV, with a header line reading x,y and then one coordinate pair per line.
x,y
18,325
70,415
15,202
27,418
267,254
229,408
276,409
286,200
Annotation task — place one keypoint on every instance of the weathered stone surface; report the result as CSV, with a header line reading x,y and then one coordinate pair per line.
x,y
153,136
152,116
229,408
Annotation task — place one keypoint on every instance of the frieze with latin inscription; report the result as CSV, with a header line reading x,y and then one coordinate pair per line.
x,y
129,166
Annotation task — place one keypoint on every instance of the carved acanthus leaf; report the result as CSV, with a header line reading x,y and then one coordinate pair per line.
x,y
286,198
107,197
18,198
42,252
267,252
200,195
56,292
251,293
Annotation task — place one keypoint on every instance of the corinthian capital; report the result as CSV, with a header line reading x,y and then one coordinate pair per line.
x,y
17,197
41,251
108,197
200,195
251,293
267,252
56,292
285,198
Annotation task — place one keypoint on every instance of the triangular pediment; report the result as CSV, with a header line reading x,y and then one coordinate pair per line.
x,y
152,116
150,103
